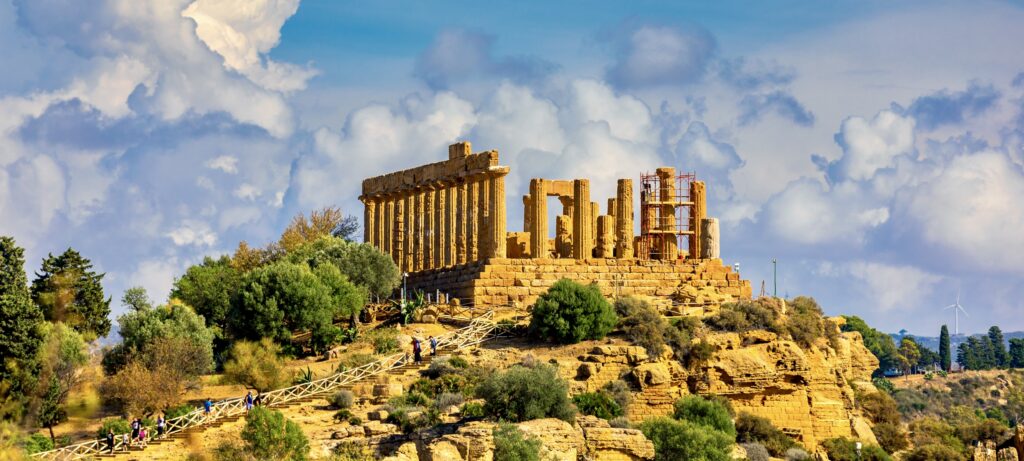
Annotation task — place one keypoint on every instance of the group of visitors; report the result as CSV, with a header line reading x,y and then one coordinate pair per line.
x,y
417,348
139,436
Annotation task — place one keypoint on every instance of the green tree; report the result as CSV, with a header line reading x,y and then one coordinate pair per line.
x,y
268,435
755,429
675,440
62,357
279,299
208,288
570,312
21,321
363,264
945,357
1017,352
256,365
141,328
510,445
1000,358
136,299
69,291
909,352
597,404
705,412
523,393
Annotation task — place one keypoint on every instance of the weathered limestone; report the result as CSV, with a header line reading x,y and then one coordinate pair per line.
x,y
417,232
498,225
709,233
369,217
667,217
563,236
451,204
472,221
461,222
428,229
624,219
538,218
698,212
582,237
388,232
605,237
438,228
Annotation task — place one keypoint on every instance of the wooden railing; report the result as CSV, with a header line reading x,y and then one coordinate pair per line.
x,y
478,331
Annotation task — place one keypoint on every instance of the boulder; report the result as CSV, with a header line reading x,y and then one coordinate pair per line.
x,y
652,374
606,443
406,452
559,440
373,428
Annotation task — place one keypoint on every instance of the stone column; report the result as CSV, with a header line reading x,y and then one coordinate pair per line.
x,y
410,235
605,236
697,214
539,219
387,226
378,223
473,221
428,229
439,233
582,238
367,219
484,228
398,249
595,211
499,224
563,236
567,205
612,207
624,219
451,254
667,214
527,213
461,220
710,248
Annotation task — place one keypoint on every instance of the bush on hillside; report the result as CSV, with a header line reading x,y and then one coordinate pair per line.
x,y
256,365
619,391
746,316
521,394
933,452
118,425
269,435
750,428
797,454
179,410
755,451
843,449
642,324
597,404
879,407
511,445
675,440
931,430
384,340
342,399
705,412
570,312
891,437
36,443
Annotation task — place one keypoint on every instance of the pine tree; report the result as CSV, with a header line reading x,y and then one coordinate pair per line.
x,y
21,334
51,412
1017,353
944,357
69,291
995,338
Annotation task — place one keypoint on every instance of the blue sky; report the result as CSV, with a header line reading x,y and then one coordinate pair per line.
x,y
875,150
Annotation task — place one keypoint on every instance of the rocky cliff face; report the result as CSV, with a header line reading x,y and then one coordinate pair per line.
x,y
807,392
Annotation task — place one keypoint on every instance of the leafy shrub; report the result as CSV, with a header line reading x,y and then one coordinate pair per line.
x,y
884,385
179,410
597,404
349,451
570,312
675,440
458,361
37,442
342,399
750,428
621,422
755,451
704,412
805,323
384,340
619,391
355,421
472,410
797,454
410,399
411,419
510,445
985,429
522,394
118,425
642,324
256,365
843,449
879,407
448,399
342,415
269,435
933,452
890,437
746,316
931,430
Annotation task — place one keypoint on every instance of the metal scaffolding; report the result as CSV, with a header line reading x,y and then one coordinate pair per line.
x,y
665,215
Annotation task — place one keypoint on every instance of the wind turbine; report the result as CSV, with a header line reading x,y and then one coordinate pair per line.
x,y
957,309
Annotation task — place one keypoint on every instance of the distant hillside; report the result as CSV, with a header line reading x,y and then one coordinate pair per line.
x,y
932,342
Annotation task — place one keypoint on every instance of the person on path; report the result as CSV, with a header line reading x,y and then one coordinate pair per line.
x,y
110,440
161,424
416,350
126,443
258,401
142,437
433,346
248,401
136,426
207,405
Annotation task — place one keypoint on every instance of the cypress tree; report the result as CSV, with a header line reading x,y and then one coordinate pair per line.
x,y
945,359
21,334
999,356
69,291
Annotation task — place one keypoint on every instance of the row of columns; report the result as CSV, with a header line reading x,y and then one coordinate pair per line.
x,y
440,225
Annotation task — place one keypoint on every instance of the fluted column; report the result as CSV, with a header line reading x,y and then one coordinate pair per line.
x,y
387,226
624,219
582,236
473,221
418,222
539,218
595,211
398,251
484,228
461,221
410,233
367,219
697,215
527,213
499,223
710,248
451,206
605,237
439,234
428,229
667,216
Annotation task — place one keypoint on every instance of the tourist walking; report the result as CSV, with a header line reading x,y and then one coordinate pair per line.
x,y
136,426
416,350
142,437
433,346
207,406
248,401
161,424
110,440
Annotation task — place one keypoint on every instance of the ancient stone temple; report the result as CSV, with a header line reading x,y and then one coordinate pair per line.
x,y
444,224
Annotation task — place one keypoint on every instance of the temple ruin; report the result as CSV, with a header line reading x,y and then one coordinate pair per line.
x,y
444,224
